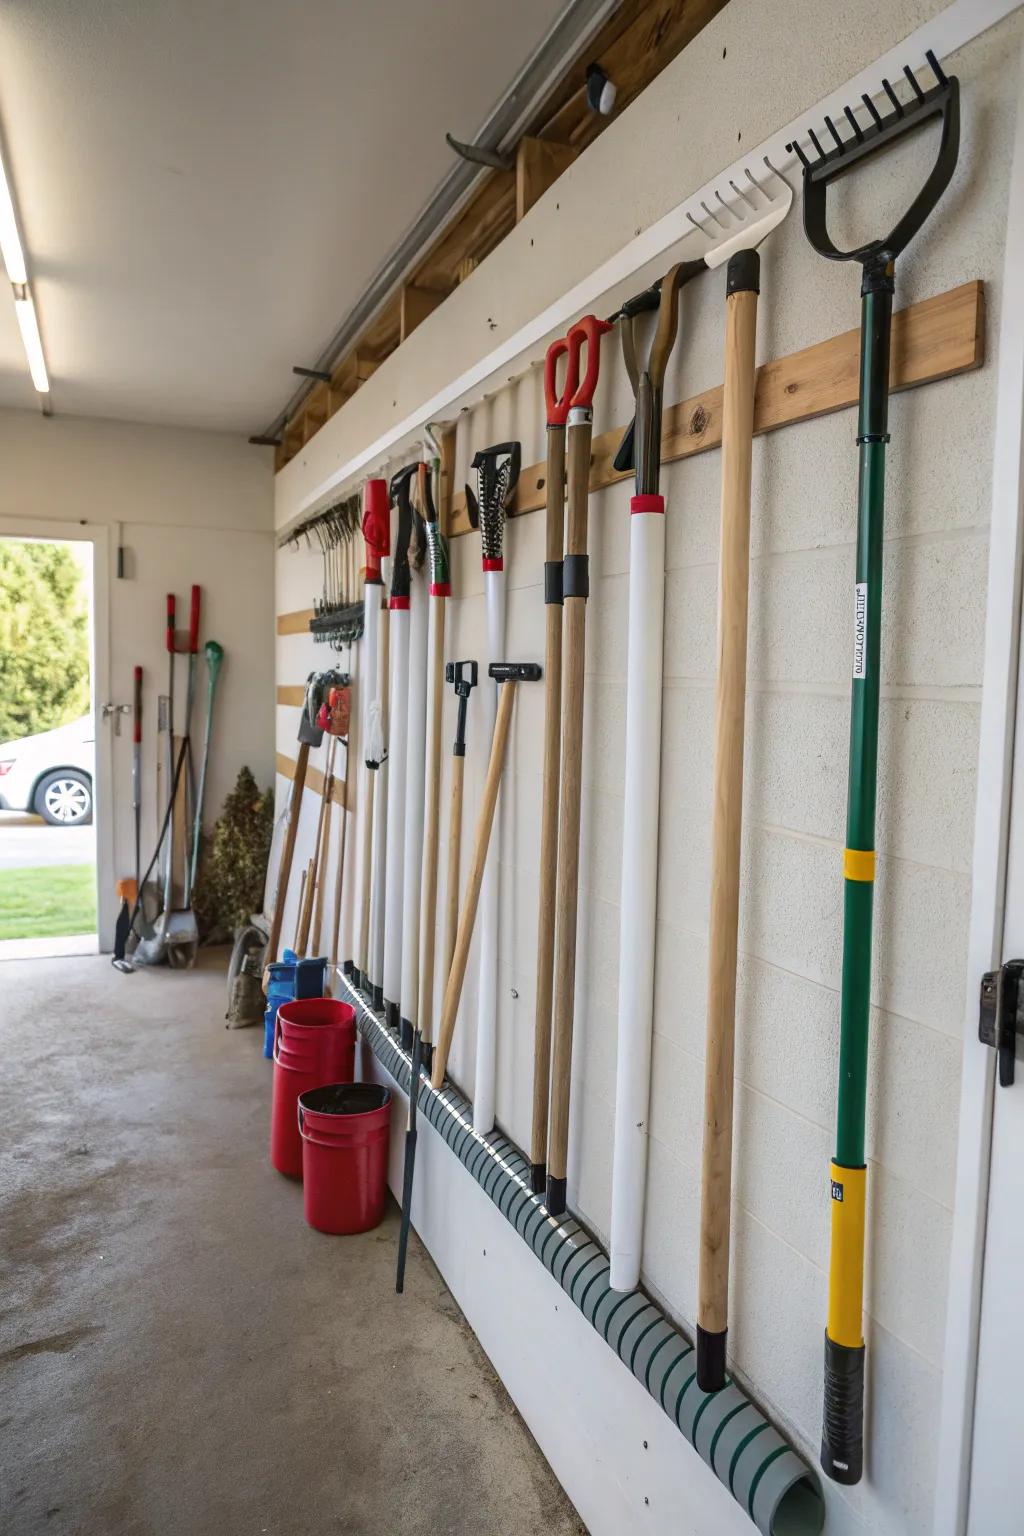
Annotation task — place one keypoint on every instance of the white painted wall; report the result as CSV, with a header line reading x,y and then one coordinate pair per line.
x,y
194,507
676,136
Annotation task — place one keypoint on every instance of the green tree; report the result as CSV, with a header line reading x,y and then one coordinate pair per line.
x,y
44,639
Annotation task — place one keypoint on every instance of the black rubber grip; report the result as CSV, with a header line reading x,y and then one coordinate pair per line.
x,y
427,1057
349,969
710,1359
538,1177
576,576
377,998
391,1017
405,1034
842,1429
743,274
555,1196
553,581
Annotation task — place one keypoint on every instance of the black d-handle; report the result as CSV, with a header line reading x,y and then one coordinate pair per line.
x,y
1001,1015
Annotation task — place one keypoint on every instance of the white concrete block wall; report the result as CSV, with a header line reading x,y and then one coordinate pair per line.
x,y
804,518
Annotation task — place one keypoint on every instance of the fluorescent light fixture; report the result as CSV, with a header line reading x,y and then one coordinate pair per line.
x,y
10,240
32,342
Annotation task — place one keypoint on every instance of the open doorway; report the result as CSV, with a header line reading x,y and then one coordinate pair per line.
x,y
48,875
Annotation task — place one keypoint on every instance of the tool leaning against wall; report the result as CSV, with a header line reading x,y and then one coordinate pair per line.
x,y
842,1440
377,543
497,470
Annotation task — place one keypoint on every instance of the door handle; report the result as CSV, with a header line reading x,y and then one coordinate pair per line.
x,y
1000,1018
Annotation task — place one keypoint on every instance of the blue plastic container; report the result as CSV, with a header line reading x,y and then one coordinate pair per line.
x,y
290,978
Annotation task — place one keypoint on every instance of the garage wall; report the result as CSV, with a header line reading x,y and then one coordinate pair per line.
x,y
797,730
193,507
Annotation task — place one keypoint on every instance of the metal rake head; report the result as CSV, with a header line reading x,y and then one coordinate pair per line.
x,y
742,221
821,165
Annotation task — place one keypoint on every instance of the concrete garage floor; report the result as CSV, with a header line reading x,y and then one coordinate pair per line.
x,y
179,1354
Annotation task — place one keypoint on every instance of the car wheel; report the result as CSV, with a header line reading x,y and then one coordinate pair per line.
x,y
64,799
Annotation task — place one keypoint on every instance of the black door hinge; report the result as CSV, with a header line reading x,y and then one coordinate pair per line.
x,y
1000,1018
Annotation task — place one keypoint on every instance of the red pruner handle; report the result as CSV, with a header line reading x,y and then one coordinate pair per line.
x,y
137,707
376,527
558,404
171,612
587,332
193,623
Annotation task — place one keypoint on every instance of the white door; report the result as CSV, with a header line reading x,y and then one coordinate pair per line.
x,y
996,1497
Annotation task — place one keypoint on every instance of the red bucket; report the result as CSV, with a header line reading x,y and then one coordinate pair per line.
x,y
314,1044
345,1132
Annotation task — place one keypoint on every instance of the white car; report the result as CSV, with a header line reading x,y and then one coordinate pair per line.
x,y
51,773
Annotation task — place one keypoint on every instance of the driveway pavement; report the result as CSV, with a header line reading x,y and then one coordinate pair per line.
x,y
28,842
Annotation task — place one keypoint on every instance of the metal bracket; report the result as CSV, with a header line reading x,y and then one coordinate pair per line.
x,y
477,154
1001,1015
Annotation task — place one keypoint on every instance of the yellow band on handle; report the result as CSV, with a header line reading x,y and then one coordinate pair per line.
x,y
846,1258
859,863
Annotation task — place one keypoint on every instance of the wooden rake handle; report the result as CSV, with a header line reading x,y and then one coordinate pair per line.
x,y
428,902
485,823
287,854
727,810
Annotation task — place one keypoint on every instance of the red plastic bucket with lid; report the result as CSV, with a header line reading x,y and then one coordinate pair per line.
x,y
345,1130
314,1044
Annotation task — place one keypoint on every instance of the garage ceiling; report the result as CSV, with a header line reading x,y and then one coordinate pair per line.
x,y
206,186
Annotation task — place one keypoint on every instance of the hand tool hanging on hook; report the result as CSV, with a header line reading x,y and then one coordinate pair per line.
x,y
462,676
497,470
376,532
575,589
415,761
377,753
397,737
842,1439
557,404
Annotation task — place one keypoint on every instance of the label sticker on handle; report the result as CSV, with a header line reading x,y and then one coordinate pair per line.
x,y
860,629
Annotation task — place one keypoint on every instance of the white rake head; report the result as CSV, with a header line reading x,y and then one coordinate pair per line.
x,y
743,221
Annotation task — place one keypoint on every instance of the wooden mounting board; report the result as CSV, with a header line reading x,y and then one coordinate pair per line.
x,y
315,780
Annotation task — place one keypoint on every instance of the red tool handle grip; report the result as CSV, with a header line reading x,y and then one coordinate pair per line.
x,y
171,618
137,707
376,527
193,622
587,332
558,404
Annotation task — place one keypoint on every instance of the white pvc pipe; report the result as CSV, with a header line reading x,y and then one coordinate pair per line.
x,y
638,909
367,680
415,774
487,985
398,719
380,814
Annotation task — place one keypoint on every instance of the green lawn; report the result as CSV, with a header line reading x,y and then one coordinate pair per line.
x,y
47,903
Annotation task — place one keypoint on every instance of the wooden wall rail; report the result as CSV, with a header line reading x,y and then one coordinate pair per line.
x,y
315,780
636,43
931,340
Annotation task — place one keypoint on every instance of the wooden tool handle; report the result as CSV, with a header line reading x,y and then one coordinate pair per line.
x,y
548,877
578,475
301,915
485,821
323,842
567,888
454,863
364,924
554,495
730,704
428,894
306,910
287,854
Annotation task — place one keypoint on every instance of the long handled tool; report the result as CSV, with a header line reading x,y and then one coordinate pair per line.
x,y
644,667
418,995
575,587
339,707
397,739
415,762
214,654
497,470
380,718
307,903
137,769
440,591
377,540
462,675
167,720
323,854
742,285
507,674
190,694
842,1448
554,534
310,735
